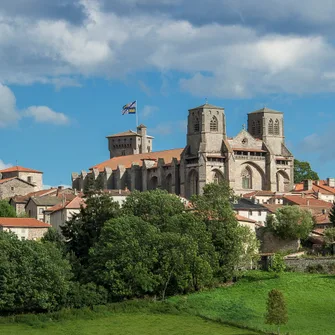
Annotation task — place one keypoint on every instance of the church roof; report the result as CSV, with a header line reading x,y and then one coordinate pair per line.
x,y
266,110
124,133
128,133
127,161
19,169
207,106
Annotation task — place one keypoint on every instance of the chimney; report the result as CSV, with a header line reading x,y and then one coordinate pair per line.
x,y
331,182
308,184
142,131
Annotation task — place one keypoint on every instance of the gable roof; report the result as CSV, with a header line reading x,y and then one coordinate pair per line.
x,y
45,201
124,133
207,106
24,198
75,203
244,219
307,201
19,169
266,110
127,161
247,205
23,222
5,180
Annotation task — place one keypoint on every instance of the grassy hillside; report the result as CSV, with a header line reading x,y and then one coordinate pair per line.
x,y
310,301
127,324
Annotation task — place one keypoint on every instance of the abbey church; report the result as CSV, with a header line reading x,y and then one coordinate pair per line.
x,y
255,159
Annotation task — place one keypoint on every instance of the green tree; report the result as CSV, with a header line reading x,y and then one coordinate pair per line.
x,y
83,229
276,311
155,206
278,265
332,215
214,207
329,236
55,237
33,276
290,222
303,171
124,258
6,210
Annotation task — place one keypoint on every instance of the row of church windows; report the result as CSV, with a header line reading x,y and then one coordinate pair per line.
x,y
213,125
121,146
273,127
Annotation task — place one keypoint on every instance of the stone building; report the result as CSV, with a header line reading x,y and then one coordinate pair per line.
x,y
255,159
24,228
18,180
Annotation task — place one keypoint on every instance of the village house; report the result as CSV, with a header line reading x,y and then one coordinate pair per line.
x,y
18,180
24,228
320,189
19,202
59,214
255,159
250,210
36,206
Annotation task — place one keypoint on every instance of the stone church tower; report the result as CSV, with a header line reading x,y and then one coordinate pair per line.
x,y
202,160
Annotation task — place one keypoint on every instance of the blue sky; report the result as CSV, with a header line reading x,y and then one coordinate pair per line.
x,y
68,66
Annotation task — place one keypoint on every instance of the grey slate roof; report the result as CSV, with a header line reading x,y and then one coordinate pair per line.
x,y
46,201
248,205
207,106
266,110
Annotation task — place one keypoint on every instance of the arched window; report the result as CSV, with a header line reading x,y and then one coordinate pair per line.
x,y
196,125
276,127
214,124
270,127
258,128
217,177
253,128
246,178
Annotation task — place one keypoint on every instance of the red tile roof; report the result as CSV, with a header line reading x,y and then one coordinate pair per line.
x,y
19,169
127,161
23,222
307,201
2,181
322,219
244,219
317,186
75,203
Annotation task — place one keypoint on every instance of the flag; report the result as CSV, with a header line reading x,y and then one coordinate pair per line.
x,y
129,108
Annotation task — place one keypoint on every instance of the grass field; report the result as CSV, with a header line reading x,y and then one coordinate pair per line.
x,y
310,301
127,324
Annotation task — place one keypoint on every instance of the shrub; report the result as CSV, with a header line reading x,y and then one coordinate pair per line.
x,y
277,264
315,268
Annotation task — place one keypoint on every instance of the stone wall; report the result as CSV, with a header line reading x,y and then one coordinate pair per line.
x,y
301,264
36,233
272,244
14,187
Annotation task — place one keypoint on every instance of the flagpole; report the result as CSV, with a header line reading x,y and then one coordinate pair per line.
x,y
137,114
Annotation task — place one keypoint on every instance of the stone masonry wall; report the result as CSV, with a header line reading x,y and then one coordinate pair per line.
x,y
271,243
301,264
36,233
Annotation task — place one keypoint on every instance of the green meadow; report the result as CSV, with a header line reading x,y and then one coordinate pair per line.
x,y
310,302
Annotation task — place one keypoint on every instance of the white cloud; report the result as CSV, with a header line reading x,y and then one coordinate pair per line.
x,y
8,112
213,58
4,165
149,110
43,114
167,128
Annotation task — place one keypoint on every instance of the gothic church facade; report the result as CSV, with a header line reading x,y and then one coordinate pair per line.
x,y
255,159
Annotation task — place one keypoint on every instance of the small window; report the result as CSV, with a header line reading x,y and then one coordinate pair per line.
x,y
12,188
123,153
276,127
196,125
259,213
213,126
29,179
40,210
250,213
253,128
258,128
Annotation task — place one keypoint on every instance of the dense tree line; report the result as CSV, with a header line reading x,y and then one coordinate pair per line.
x,y
152,246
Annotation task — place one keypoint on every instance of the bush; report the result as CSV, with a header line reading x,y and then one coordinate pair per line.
x,y
277,264
86,295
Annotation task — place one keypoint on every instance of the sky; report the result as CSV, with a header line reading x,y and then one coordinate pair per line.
x,y
68,66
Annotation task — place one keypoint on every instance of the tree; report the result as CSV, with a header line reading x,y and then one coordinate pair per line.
x,y
303,171
55,237
329,236
155,206
6,210
332,215
276,311
83,230
290,222
124,258
278,265
214,208
33,276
